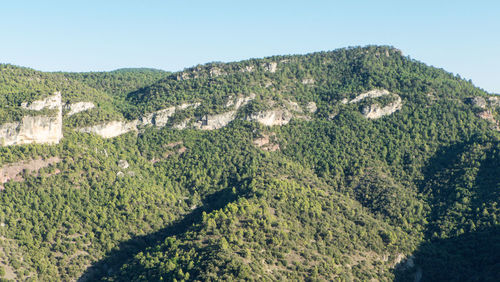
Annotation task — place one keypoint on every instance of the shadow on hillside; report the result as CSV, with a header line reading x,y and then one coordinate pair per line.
x,y
438,182
450,180
125,251
471,256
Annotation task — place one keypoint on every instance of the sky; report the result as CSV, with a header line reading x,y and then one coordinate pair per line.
x,y
462,37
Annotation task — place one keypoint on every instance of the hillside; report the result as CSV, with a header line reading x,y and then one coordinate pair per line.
x,y
353,164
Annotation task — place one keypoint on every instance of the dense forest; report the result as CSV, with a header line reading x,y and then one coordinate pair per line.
x,y
331,195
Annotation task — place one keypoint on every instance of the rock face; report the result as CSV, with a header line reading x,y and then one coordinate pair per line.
x,y
111,129
211,122
51,102
478,102
78,107
311,107
271,117
116,128
307,81
35,129
270,67
494,101
370,94
158,118
375,111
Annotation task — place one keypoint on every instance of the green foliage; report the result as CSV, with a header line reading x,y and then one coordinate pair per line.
x,y
342,199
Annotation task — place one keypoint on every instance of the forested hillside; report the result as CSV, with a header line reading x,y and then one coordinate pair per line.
x,y
353,164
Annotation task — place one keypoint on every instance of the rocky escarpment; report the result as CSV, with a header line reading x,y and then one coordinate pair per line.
x,y
78,107
487,109
375,110
115,128
271,117
111,129
211,122
215,70
160,118
35,128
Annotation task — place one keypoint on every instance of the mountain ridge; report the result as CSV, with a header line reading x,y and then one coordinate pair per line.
x,y
323,189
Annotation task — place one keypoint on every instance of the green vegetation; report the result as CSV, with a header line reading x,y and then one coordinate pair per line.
x,y
344,197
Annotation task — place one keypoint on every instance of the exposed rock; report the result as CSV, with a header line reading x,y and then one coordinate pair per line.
x,y
271,117
344,101
308,81
247,69
35,129
211,122
265,143
78,107
270,67
494,101
311,107
13,171
185,106
488,115
294,106
370,94
214,72
183,124
243,101
477,102
123,164
158,118
375,111
111,129
51,102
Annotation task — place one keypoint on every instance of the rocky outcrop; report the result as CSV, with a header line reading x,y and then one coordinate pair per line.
x,y
13,171
78,107
271,117
311,107
267,142
211,122
247,69
375,111
111,129
115,128
51,103
158,118
370,94
270,67
41,129
494,101
479,102
308,81
488,115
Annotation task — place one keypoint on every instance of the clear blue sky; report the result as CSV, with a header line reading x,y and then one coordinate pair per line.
x,y
460,36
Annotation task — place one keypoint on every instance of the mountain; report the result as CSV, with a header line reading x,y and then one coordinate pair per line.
x,y
353,164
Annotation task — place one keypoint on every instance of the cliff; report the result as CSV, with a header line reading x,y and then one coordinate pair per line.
x,y
37,128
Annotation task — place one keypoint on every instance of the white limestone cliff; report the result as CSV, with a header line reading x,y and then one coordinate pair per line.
x,y
41,129
111,129
375,111
271,117
78,107
370,94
